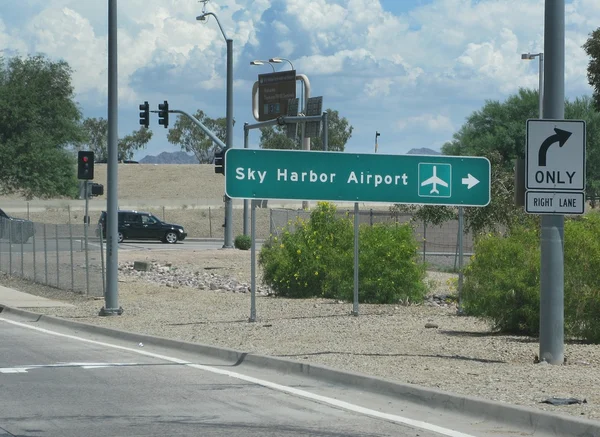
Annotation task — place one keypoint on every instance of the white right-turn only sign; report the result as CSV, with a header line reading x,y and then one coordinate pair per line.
x,y
555,158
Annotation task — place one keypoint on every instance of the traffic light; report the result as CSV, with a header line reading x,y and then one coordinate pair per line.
x,y
163,114
220,161
85,165
145,115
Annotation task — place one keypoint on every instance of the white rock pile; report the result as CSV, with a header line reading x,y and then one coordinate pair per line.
x,y
175,277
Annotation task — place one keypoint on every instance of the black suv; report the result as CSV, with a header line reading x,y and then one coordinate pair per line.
x,y
138,225
20,230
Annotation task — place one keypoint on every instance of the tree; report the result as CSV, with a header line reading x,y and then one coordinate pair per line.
x,y
39,120
592,48
96,131
340,131
498,132
193,139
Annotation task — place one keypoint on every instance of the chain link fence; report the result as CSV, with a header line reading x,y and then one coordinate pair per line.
x,y
437,244
53,255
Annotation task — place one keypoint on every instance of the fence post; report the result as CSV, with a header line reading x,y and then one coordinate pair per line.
x,y
71,248
163,213
21,235
45,257
34,266
371,217
27,210
57,257
457,243
209,224
9,248
424,240
460,257
102,262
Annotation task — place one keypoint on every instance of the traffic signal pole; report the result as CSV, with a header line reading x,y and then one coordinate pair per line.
x,y
197,122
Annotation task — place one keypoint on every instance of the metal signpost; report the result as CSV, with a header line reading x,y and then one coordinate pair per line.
x,y
555,166
274,92
336,176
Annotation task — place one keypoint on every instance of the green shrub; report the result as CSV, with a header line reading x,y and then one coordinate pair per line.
x,y
295,264
582,282
242,242
388,269
316,260
501,283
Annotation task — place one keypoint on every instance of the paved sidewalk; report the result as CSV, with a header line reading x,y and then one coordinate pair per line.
x,y
17,299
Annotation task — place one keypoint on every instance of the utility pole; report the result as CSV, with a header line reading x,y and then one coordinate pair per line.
x,y
111,306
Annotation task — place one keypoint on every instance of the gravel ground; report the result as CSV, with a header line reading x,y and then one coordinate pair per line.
x,y
460,355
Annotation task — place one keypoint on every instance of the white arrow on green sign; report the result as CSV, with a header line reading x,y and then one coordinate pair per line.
x,y
351,177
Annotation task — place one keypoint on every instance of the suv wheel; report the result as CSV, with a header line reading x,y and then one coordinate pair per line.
x,y
120,237
170,237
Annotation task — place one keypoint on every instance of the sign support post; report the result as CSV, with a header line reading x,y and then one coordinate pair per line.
x,y
552,255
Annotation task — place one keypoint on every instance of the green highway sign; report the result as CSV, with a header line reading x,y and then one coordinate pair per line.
x,y
352,177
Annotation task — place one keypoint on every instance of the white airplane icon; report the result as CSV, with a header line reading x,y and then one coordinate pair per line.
x,y
435,181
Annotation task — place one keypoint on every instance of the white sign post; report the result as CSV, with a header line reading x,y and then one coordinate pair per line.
x,y
555,166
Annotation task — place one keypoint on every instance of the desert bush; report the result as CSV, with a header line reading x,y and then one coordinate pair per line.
x,y
389,270
582,282
242,242
501,283
316,260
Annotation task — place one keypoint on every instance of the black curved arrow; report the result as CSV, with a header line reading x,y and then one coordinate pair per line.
x,y
561,136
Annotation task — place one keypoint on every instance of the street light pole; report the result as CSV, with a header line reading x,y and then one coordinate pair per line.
x,y
228,238
541,84
228,243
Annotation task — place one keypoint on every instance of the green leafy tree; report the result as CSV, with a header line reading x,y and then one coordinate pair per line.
x,y
592,48
193,139
339,132
96,131
498,132
39,121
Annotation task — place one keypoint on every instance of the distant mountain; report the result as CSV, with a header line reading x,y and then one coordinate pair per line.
x,y
170,158
423,151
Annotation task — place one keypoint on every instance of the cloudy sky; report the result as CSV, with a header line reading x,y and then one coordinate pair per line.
x,y
411,69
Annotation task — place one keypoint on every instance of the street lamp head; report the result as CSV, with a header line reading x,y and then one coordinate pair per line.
x,y
201,17
280,60
526,56
257,62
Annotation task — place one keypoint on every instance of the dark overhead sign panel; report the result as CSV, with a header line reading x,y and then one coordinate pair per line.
x,y
274,91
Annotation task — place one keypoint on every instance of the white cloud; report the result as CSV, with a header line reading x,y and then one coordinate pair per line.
x,y
432,122
445,57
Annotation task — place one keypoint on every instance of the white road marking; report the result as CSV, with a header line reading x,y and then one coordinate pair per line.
x,y
24,369
274,386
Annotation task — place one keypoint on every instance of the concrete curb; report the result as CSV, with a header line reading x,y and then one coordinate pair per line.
x,y
522,417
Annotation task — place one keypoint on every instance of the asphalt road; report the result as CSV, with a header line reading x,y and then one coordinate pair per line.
x,y
58,382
